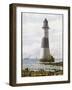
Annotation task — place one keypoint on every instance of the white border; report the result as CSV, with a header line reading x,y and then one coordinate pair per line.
x,y
20,79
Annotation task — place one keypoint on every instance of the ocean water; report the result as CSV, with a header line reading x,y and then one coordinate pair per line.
x,y
35,64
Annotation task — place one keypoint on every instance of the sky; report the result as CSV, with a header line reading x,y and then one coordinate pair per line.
x,y
32,34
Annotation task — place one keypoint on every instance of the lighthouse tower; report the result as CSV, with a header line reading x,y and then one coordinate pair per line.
x,y
46,57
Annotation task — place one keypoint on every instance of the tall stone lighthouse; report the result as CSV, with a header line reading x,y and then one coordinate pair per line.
x,y
46,56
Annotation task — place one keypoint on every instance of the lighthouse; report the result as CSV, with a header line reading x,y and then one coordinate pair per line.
x,y
45,50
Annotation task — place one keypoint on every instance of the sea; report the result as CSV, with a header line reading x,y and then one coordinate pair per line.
x,y
35,65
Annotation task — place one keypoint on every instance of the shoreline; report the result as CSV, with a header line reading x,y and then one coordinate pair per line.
x,y
31,73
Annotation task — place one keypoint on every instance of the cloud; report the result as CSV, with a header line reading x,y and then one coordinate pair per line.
x,y
32,34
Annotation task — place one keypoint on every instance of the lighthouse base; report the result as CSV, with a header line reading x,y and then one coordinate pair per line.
x,y
51,59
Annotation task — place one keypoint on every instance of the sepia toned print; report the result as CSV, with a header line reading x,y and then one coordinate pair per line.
x,y
42,44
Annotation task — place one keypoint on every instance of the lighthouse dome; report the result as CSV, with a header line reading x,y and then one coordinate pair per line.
x,y
45,20
45,23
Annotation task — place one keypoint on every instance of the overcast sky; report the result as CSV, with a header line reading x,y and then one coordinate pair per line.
x,y
32,34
